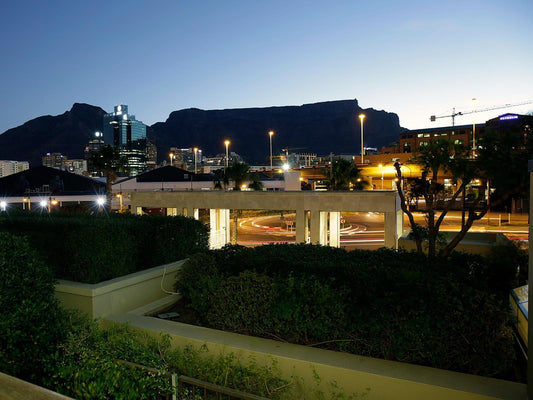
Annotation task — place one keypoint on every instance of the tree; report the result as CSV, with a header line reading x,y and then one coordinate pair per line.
x,y
346,175
108,161
237,173
501,164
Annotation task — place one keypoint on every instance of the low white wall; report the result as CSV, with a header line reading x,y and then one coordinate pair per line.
x,y
119,295
352,373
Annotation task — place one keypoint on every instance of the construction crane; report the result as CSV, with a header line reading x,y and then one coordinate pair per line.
x,y
456,114
286,150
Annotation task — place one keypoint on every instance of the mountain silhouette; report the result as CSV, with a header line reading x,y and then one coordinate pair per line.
x,y
67,133
321,128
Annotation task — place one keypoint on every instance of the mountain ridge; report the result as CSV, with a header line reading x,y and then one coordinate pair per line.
x,y
324,127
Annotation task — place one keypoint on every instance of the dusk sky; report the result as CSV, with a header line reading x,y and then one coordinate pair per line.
x,y
413,58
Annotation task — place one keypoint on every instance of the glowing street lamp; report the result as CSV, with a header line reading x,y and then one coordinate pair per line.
x,y
171,155
195,154
270,134
474,128
227,142
362,117
3,205
381,168
100,201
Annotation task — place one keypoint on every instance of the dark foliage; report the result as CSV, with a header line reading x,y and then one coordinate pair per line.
x,y
31,320
395,305
92,248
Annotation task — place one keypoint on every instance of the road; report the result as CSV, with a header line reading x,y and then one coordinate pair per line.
x,y
366,230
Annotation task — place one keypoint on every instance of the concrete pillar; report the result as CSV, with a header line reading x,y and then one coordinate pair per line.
x,y
301,226
213,233
319,227
192,212
315,227
323,228
335,229
225,225
391,229
219,228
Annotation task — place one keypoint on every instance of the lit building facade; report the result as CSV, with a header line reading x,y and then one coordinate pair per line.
x,y
8,167
122,130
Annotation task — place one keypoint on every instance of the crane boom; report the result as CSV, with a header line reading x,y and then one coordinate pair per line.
x,y
455,114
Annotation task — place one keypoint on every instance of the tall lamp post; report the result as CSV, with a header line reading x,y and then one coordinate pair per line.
x,y
195,153
171,155
362,117
227,142
381,168
270,134
474,128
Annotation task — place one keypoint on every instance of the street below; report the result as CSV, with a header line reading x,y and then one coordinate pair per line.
x,y
362,230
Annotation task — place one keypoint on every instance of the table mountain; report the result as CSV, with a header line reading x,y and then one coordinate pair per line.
x,y
313,128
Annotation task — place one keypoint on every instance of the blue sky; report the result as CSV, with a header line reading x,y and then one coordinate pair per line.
x,y
414,58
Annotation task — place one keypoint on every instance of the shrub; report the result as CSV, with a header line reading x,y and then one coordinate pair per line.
x,y
197,281
91,248
86,367
387,304
244,304
31,320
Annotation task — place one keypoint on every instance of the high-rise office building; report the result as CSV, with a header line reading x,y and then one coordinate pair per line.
x,y
121,129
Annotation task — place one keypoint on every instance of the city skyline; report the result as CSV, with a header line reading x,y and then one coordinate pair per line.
x,y
412,58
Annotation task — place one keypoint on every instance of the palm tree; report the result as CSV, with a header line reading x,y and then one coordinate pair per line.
x,y
238,174
346,175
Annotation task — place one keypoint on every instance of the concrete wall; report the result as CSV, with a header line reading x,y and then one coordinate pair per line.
x,y
352,374
119,295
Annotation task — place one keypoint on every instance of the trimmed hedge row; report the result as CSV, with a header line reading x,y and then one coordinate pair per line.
x,y
31,321
92,248
449,314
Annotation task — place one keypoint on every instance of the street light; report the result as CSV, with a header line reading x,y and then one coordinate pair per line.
x,y
381,168
227,142
362,117
3,205
195,152
171,155
474,128
270,134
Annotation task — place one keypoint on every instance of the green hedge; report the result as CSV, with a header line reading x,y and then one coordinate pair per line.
x,y
388,304
92,248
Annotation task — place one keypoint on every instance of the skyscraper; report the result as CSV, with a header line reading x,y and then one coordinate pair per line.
x,y
122,130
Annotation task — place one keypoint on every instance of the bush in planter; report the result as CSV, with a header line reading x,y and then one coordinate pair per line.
x,y
243,304
387,304
197,281
31,320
